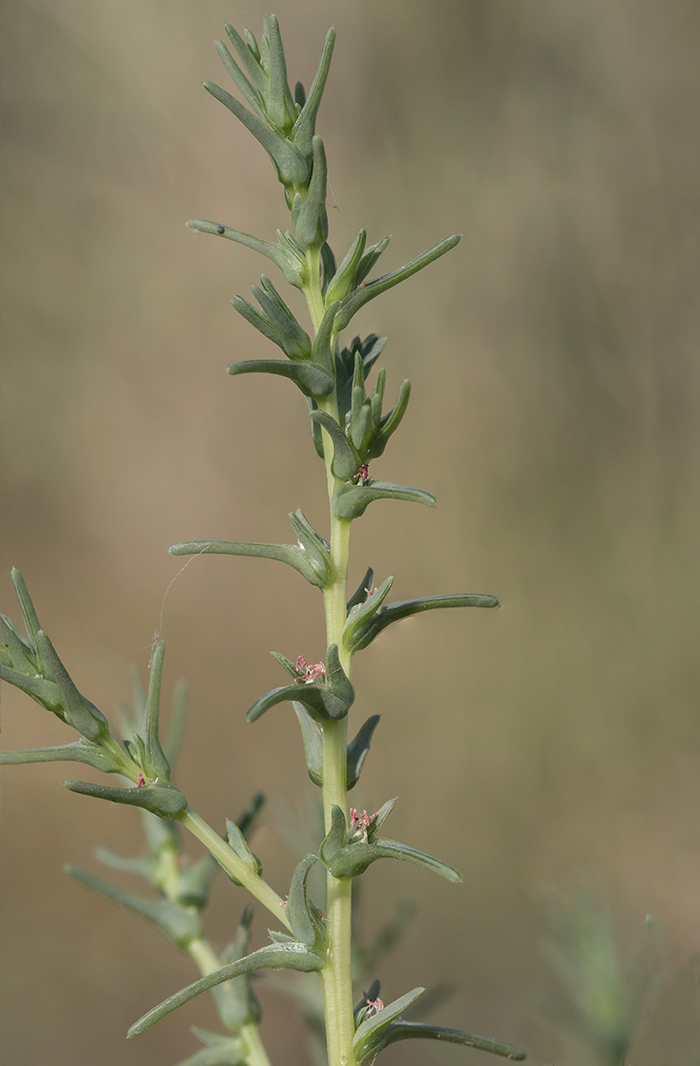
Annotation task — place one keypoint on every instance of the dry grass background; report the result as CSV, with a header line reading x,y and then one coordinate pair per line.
x,y
555,415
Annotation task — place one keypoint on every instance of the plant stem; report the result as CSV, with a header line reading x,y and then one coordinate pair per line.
x,y
336,981
233,866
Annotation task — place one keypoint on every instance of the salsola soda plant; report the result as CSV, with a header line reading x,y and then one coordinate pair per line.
x,y
349,430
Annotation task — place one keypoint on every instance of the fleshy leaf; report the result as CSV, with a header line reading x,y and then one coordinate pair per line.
x,y
16,653
343,281
338,680
80,712
309,216
394,612
249,58
358,749
236,1001
283,553
316,548
289,162
83,751
244,86
371,1028
354,859
291,266
318,700
238,843
44,692
162,799
313,380
157,766
357,299
401,1030
324,343
29,614
305,125
305,924
346,461
313,744
363,590
288,956
351,501
180,924
361,614
336,838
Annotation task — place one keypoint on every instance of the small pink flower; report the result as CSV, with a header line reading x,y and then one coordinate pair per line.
x,y
362,475
373,1006
309,673
360,821
140,780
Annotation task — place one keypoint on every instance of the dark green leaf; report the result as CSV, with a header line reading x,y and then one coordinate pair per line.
x,y
289,956
162,799
361,296
363,590
358,750
371,1028
351,501
313,380
346,461
393,612
313,744
355,858
400,1030
286,664
319,701
305,924
362,613
338,680
283,553
336,838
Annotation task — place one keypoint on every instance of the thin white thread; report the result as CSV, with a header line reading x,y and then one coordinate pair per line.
x,y
335,205
158,635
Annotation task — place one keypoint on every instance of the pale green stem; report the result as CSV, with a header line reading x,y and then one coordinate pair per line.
x,y
208,962
335,977
233,866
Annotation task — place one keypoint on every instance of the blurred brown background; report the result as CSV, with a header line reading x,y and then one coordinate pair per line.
x,y
555,415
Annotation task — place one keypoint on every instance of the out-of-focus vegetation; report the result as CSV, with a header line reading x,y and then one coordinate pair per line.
x,y
565,141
